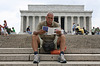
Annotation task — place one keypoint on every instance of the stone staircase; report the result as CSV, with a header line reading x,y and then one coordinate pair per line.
x,y
15,50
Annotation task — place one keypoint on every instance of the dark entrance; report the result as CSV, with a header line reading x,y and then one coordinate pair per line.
x,y
62,22
56,19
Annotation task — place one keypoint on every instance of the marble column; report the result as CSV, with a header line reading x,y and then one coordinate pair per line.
x,y
21,26
39,18
78,22
65,25
90,24
85,22
71,23
27,21
33,27
59,19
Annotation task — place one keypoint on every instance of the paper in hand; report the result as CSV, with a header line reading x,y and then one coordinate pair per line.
x,y
45,28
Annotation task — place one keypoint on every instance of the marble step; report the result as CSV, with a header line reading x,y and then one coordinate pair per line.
x,y
16,50
69,57
72,41
50,63
49,57
30,50
17,63
69,63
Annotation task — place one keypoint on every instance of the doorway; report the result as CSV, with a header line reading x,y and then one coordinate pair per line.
x,y
62,22
56,19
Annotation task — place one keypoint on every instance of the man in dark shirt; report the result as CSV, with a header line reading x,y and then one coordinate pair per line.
x,y
28,30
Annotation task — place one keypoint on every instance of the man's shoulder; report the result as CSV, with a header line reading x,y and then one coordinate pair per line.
x,y
42,23
55,23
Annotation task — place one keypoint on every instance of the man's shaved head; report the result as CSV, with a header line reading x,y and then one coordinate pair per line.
x,y
50,13
49,18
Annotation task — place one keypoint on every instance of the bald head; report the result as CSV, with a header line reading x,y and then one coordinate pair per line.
x,y
49,18
50,13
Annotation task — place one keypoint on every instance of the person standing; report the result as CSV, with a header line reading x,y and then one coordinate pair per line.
x,y
93,31
5,28
5,24
97,30
73,28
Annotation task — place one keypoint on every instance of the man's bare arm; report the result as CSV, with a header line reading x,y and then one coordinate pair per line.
x,y
39,32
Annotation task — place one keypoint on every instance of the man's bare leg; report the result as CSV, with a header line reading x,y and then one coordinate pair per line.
x,y
35,42
62,42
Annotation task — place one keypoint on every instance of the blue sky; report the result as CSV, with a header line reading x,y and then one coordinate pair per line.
x,y
10,9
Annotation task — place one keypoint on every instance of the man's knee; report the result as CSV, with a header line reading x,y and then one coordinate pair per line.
x,y
62,36
35,36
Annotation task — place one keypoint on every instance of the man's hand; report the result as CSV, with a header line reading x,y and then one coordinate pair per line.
x,y
39,32
42,31
58,32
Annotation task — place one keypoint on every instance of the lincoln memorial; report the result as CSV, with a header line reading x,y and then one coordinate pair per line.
x,y
65,15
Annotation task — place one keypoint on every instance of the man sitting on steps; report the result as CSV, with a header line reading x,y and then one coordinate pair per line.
x,y
39,36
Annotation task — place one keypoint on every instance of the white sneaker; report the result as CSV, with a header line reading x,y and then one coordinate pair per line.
x,y
36,59
61,59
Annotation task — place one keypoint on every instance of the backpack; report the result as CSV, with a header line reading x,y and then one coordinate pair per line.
x,y
48,46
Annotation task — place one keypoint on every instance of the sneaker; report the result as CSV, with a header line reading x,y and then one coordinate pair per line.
x,y
36,59
61,59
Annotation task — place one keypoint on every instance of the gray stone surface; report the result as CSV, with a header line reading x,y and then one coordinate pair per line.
x,y
82,50
14,57
72,41
69,57
30,51
17,63
49,57
81,44
50,63
83,41
16,41
16,51
69,63
56,8
75,50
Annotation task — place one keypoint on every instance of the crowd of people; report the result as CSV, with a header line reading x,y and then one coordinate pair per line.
x,y
95,31
4,30
82,31
77,30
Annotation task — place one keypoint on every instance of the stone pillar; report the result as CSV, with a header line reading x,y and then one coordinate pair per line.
x,y
33,27
21,26
59,17
85,22
90,24
39,18
27,21
71,23
65,25
78,22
